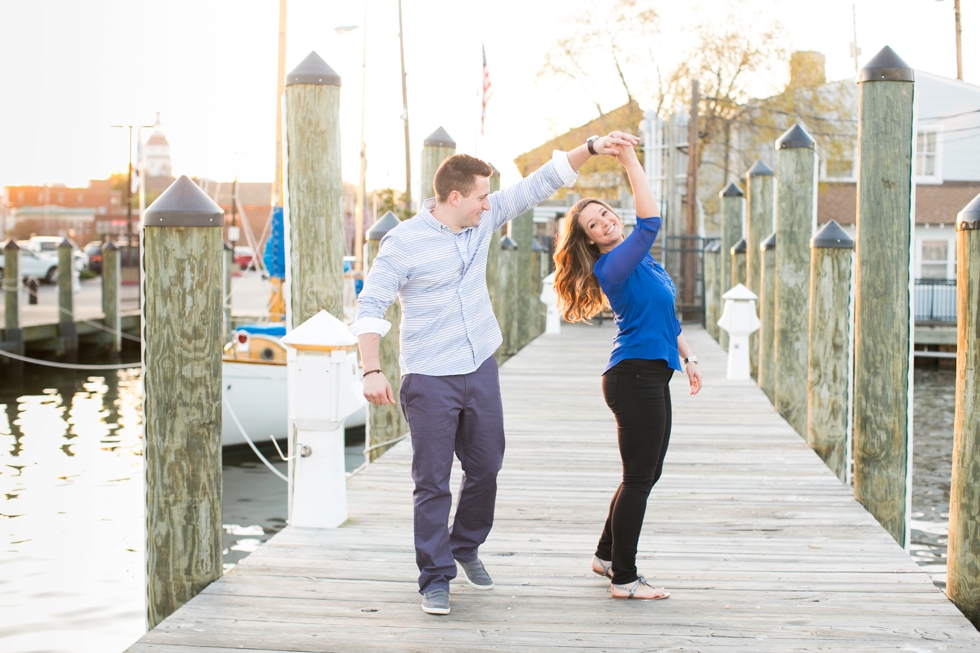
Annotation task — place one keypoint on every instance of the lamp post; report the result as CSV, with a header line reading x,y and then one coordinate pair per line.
x,y
362,176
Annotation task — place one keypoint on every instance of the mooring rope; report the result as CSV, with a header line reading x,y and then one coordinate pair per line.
x,y
241,430
69,366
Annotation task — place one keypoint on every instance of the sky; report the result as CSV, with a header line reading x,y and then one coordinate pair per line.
x,y
69,69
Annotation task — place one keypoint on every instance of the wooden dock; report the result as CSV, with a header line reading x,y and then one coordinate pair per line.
x,y
762,548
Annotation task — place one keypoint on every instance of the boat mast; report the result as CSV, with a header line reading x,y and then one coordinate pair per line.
x,y
280,87
408,151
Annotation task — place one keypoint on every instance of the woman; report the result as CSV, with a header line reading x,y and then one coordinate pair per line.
x,y
595,263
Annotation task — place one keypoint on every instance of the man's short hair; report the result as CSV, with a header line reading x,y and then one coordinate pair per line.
x,y
458,173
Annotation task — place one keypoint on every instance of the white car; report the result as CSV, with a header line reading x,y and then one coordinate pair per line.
x,y
49,245
40,266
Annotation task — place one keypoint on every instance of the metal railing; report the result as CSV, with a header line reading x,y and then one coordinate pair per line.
x,y
683,258
935,301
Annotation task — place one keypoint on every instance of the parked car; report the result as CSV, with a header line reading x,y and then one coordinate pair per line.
x,y
49,245
244,257
41,266
94,252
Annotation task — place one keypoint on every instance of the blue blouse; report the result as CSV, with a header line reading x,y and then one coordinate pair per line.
x,y
642,296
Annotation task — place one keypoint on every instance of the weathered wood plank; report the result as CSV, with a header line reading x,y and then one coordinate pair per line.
x,y
761,546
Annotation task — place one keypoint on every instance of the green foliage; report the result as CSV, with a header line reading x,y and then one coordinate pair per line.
x,y
389,199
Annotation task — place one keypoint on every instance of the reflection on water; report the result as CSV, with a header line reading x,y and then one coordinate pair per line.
x,y
932,464
71,517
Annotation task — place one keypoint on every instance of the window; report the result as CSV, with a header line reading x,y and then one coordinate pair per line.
x,y
934,261
927,155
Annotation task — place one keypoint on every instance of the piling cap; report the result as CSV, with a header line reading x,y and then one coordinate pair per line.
x,y
387,222
183,205
769,242
739,247
793,137
731,190
507,243
11,244
886,66
110,246
496,173
439,138
740,292
831,235
322,330
313,70
227,247
537,247
969,218
65,243
760,169
713,247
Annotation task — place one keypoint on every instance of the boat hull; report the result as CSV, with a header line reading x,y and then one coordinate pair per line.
x,y
257,394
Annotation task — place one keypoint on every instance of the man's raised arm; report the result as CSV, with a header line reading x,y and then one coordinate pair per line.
x,y
562,170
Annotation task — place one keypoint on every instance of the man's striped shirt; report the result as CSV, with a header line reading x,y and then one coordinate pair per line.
x,y
448,326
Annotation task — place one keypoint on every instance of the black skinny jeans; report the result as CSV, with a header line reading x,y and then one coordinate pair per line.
x,y
638,393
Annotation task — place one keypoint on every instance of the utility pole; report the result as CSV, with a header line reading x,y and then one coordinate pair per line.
x,y
233,229
129,195
959,40
362,176
408,151
855,50
691,228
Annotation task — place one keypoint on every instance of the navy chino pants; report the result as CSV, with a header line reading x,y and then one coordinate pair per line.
x,y
459,414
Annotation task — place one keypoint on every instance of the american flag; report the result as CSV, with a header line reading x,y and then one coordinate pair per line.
x,y
487,90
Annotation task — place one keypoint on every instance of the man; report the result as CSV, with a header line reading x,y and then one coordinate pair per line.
x,y
435,263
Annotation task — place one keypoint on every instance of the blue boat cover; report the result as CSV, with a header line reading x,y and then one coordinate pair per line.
x,y
274,257
274,330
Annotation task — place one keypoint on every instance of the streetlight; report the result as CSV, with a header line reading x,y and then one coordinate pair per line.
x,y
129,192
361,181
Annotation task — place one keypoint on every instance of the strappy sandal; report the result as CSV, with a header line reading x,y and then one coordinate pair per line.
x,y
601,567
635,585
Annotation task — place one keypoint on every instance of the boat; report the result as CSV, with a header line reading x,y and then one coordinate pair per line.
x,y
253,368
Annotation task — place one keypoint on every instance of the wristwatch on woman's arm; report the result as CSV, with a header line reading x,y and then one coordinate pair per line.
x,y
589,141
691,359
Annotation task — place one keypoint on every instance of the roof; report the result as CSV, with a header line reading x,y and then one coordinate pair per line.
x,y
934,204
600,176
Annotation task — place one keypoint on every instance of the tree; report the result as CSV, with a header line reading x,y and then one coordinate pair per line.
x,y
389,199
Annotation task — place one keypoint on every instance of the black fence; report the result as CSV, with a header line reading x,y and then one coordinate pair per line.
x,y
683,258
935,301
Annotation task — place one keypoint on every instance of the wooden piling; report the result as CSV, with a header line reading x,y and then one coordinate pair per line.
x,y
493,252
712,288
228,260
963,549
13,335
182,342
883,319
385,423
112,315
827,389
767,316
66,300
732,217
522,231
508,311
759,197
795,219
539,270
438,147
314,227
738,262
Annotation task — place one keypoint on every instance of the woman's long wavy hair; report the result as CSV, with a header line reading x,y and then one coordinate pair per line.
x,y
579,295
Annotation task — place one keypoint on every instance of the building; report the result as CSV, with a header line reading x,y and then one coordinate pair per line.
x,y
157,161
59,210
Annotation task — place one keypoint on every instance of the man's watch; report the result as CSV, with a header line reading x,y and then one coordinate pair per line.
x,y
690,359
589,141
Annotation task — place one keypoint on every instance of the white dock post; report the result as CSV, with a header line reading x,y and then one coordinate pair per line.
x,y
552,323
323,389
739,320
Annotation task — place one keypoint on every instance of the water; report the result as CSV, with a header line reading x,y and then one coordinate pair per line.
x,y
71,519
71,516
932,464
